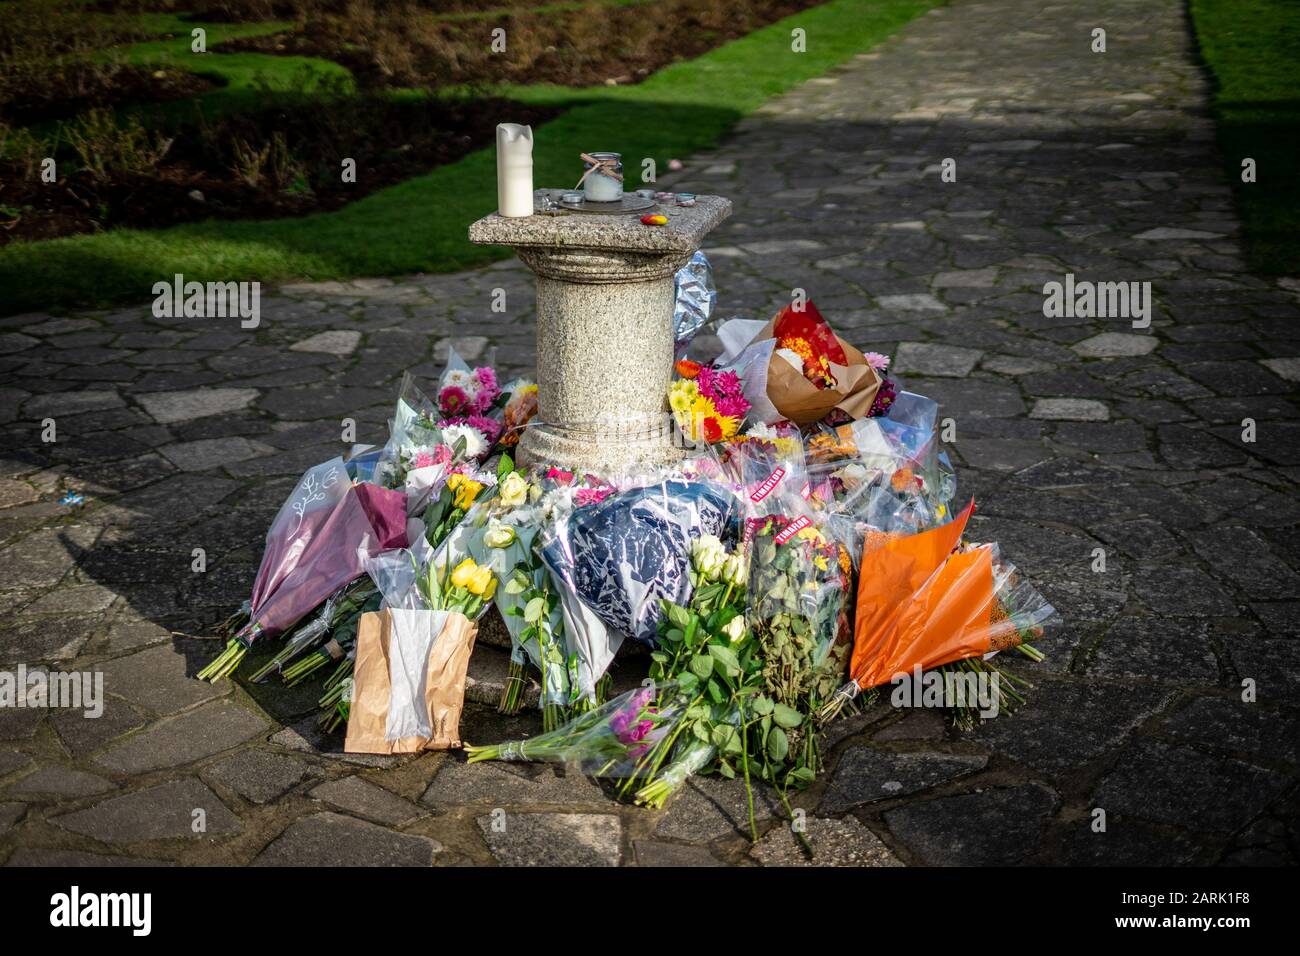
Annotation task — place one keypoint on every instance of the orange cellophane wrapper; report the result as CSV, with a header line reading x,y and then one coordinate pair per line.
x,y
444,687
919,604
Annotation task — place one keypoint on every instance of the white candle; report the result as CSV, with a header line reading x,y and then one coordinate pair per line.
x,y
514,170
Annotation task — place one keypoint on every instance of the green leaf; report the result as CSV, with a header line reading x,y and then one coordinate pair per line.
x,y
688,682
787,716
725,770
762,706
659,656
778,744
679,616
504,467
534,610
726,657
803,775
702,666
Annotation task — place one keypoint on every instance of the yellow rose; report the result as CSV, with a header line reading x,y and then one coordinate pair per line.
x,y
464,573
514,490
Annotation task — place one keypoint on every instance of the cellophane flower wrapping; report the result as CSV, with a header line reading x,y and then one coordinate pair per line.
x,y
364,521
624,555
416,458
694,298
624,738
923,601
296,524
1020,614
797,604
766,468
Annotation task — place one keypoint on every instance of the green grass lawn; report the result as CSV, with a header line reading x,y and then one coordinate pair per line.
x,y
420,225
1253,49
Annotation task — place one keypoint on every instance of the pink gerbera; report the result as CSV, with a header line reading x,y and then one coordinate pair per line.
x,y
453,400
877,361
558,474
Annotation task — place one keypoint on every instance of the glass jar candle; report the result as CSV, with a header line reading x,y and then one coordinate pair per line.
x,y
598,187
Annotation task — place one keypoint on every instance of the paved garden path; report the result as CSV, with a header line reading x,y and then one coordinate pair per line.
x,y
1084,441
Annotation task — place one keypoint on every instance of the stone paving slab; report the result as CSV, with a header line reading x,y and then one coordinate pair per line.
x,y
1109,460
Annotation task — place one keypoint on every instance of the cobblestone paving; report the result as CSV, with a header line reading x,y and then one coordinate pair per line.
x,y
1073,434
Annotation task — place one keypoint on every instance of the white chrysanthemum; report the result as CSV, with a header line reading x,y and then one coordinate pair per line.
x,y
762,430
460,379
475,441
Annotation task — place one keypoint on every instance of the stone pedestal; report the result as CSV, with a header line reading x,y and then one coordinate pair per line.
x,y
604,328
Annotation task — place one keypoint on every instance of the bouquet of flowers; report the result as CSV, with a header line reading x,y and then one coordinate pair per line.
x,y
408,683
315,546
625,738
466,407
923,602
794,367
519,410
708,405
625,553
339,607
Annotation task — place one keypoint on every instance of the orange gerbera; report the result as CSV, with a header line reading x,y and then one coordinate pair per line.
x,y
688,369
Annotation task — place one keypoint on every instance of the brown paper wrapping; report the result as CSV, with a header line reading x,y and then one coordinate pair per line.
x,y
444,687
803,403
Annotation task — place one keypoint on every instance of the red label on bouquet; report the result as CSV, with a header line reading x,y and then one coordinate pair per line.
x,y
770,482
792,529
805,491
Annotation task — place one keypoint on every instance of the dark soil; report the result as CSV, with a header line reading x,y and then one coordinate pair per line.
x,y
585,47
124,85
391,142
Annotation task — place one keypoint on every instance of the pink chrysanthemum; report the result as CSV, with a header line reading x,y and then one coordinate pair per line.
x,y
488,390
731,406
705,381
729,385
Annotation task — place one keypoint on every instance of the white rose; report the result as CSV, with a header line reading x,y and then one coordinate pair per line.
x,y
734,571
707,554
735,628
499,536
